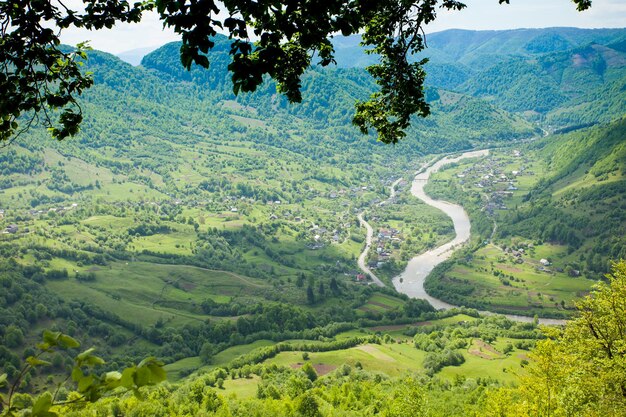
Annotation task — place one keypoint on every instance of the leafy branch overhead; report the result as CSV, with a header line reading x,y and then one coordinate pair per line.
x,y
40,80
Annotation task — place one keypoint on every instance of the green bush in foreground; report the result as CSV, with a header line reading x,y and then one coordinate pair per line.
x,y
90,387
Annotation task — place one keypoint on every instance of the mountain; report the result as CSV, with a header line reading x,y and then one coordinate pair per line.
x,y
581,202
558,84
479,50
557,76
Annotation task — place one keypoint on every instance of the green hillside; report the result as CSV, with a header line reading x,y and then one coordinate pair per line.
x,y
220,234
180,205
561,200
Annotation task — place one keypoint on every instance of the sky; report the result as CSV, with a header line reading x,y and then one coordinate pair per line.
x,y
479,15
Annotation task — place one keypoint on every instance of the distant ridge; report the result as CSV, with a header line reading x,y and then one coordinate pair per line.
x,y
134,56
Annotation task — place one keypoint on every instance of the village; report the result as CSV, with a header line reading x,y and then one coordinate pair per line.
x,y
494,180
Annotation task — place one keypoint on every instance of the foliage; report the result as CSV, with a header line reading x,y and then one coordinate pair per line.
x,y
580,370
90,386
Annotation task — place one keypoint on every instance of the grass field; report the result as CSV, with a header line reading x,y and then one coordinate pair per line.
x,y
145,293
183,367
381,303
521,286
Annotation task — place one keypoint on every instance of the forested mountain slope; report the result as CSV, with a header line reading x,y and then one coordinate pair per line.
x,y
548,220
582,201
558,77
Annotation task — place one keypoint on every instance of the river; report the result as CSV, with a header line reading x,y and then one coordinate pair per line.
x,y
411,281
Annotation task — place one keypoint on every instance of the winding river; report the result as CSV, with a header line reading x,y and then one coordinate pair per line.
x,y
411,281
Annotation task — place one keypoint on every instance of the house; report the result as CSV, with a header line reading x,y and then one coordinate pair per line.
x,y
234,209
360,277
544,262
12,228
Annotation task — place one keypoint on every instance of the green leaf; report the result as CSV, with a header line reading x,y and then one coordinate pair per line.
x,y
77,374
143,376
112,380
87,359
68,342
3,380
85,354
42,405
51,338
33,361
112,376
85,382
128,377
43,346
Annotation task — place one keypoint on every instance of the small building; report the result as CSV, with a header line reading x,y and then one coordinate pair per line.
x,y
544,262
12,228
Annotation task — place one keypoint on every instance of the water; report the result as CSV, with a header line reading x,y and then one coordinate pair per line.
x,y
411,281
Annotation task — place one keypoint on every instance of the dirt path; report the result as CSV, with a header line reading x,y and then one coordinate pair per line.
x,y
232,274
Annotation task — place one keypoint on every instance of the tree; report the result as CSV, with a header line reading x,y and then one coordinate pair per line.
x,y
40,79
580,370
309,371
206,352
310,296
408,399
307,406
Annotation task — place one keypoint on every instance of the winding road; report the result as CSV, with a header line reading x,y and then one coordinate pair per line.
x,y
370,235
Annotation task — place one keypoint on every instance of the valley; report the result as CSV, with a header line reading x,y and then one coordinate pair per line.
x,y
268,253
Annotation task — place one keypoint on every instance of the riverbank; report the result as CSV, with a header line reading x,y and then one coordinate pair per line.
x,y
411,281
